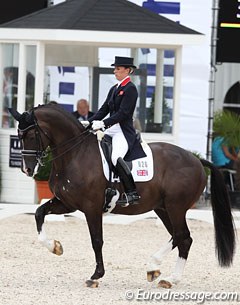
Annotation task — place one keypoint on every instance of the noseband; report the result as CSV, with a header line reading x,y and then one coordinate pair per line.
x,y
40,153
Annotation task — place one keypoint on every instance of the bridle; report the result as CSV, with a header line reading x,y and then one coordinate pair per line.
x,y
40,153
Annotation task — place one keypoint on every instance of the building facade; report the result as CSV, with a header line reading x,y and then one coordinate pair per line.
x,y
172,79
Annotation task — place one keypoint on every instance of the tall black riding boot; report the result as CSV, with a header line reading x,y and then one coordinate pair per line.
x,y
130,195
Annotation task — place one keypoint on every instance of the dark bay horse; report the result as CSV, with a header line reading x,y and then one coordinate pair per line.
x,y
78,183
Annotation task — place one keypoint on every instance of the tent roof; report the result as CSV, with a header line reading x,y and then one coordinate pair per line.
x,y
99,15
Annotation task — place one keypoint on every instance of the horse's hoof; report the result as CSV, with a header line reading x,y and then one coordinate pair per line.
x,y
165,284
58,249
153,275
92,283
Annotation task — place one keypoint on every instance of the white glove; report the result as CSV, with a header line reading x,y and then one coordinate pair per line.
x,y
85,123
96,125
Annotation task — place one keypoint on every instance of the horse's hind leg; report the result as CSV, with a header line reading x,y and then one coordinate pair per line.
x,y
53,206
154,265
177,228
182,240
183,250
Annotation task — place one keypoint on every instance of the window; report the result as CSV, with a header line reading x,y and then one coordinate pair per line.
x,y
154,79
30,76
9,77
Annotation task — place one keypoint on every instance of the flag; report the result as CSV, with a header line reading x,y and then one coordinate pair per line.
x,y
66,88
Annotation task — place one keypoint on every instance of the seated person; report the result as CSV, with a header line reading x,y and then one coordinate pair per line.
x,y
82,113
223,156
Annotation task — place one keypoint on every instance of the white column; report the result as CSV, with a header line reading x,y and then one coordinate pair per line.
x,y
1,85
158,101
176,94
21,95
40,72
90,75
134,55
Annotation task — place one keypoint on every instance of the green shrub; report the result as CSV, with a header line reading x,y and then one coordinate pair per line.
x,y
198,155
226,124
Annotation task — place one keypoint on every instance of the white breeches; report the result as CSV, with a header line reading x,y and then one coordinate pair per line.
x,y
119,142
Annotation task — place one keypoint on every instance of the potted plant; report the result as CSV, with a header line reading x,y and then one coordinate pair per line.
x,y
42,177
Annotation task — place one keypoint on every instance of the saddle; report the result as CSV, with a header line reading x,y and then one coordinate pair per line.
x,y
141,169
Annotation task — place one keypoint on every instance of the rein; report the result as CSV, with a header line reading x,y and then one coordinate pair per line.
x,y
86,133
41,153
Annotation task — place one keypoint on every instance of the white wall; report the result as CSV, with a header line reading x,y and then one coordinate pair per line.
x,y
16,186
195,77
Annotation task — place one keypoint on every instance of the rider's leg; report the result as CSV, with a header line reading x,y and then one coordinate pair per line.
x,y
120,148
127,181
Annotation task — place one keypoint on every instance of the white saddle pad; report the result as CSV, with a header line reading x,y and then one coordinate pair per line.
x,y
142,169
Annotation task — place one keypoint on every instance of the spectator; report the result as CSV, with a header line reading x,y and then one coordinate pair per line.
x,y
224,157
82,113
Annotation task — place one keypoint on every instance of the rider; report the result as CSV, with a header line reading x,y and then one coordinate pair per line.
x,y
120,104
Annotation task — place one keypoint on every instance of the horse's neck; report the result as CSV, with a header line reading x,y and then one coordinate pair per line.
x,y
60,127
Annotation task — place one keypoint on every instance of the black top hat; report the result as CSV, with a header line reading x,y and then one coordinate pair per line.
x,y
124,62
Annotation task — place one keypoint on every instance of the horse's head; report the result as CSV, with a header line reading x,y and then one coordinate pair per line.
x,y
33,141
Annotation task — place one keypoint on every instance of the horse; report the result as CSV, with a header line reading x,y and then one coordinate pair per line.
x,y
78,183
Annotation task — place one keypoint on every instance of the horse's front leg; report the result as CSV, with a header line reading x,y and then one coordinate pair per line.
x,y
94,221
53,206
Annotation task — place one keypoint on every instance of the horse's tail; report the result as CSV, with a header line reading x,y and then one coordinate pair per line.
x,y
222,216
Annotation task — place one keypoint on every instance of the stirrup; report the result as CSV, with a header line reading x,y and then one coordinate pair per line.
x,y
109,194
128,199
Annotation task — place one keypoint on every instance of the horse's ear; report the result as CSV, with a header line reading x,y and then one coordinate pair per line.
x,y
14,113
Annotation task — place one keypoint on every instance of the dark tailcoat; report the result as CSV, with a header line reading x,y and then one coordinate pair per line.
x,y
120,104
